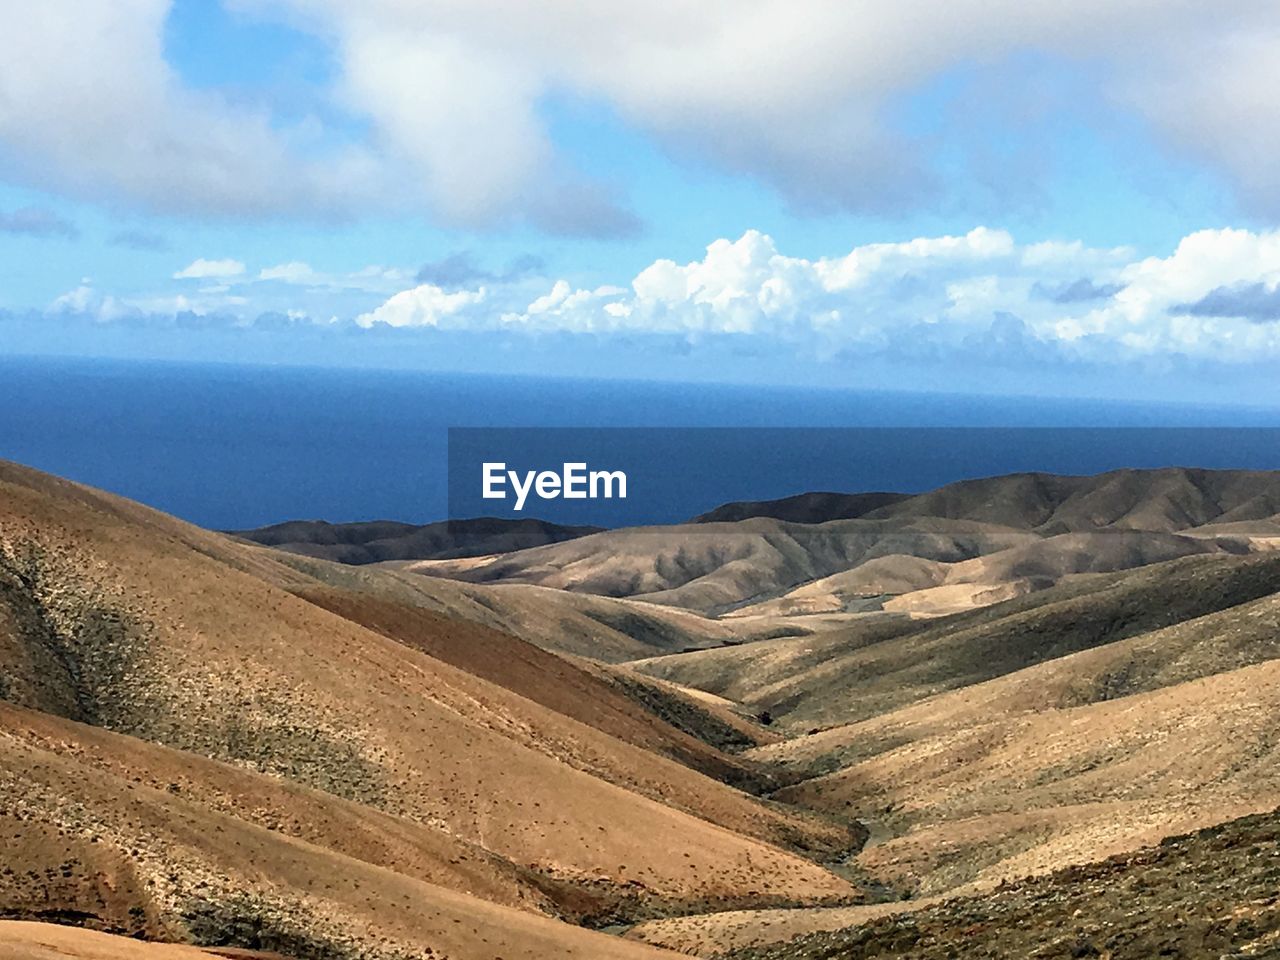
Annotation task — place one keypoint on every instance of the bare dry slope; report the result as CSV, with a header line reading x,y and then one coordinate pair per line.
x,y
1220,642
553,681
602,628
813,507
1165,500
1205,896
853,674
24,940
714,567
125,619
916,585
1011,777
379,540
92,840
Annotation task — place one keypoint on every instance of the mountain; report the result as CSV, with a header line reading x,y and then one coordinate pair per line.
x,y
196,746
888,735
815,507
379,540
1165,500
715,567
1168,499
964,545
863,670
1205,894
916,585
1158,724
603,628
569,688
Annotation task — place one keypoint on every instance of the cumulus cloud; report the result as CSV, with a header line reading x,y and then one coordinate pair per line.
x,y
442,106
203,269
423,306
37,222
113,120
801,96
1215,297
976,291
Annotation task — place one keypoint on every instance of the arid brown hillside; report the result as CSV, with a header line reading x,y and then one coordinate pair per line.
x,y
1207,894
1166,500
208,741
378,540
715,567
962,546
1091,719
115,617
570,689
816,507
865,670
915,585
579,624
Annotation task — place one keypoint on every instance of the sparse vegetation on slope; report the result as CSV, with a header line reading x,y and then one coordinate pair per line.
x,y
1204,896
210,741
381,540
848,675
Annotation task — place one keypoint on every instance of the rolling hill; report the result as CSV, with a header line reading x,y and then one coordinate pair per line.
x,y
117,619
712,568
1204,894
965,545
871,668
818,507
378,540
892,734
1165,500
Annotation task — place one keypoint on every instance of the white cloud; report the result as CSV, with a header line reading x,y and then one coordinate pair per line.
x,y
449,98
1215,296
202,269
951,291
89,105
423,306
85,300
794,94
81,299
294,272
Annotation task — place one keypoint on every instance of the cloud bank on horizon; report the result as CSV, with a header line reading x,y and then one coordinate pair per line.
x,y
1215,297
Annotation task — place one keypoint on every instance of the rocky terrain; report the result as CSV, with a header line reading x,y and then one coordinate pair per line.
x,y
1213,893
965,732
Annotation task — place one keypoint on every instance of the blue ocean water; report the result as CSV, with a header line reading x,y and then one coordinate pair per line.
x,y
239,446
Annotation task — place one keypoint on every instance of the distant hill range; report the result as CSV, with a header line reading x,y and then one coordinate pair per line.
x,y
377,540
962,545
803,507
1168,499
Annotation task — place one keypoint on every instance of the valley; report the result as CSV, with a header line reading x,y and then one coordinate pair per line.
x,y
839,725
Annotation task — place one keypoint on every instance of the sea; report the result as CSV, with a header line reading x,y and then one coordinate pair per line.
x,y
233,447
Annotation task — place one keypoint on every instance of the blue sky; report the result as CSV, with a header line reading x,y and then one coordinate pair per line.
x,y
1067,200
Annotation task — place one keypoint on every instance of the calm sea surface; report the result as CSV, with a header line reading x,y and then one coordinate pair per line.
x,y
237,446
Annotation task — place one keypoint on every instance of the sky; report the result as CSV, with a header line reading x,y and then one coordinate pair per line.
x,y
982,195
